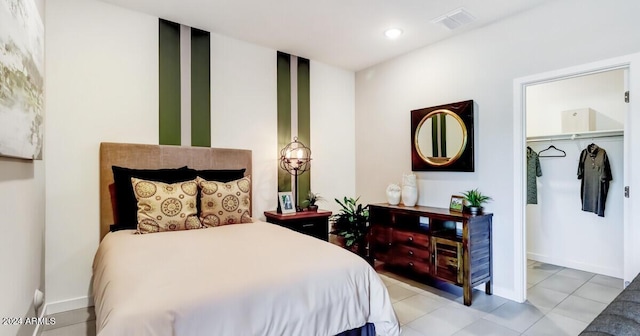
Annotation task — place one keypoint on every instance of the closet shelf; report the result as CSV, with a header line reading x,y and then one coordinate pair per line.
x,y
573,136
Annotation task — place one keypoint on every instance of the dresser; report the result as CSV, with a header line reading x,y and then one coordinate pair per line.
x,y
427,242
312,223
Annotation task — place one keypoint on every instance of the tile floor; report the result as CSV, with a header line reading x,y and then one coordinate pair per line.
x,y
561,301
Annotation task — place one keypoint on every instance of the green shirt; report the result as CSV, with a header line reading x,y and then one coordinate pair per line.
x,y
533,170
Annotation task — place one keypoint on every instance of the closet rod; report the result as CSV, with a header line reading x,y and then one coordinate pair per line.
x,y
585,135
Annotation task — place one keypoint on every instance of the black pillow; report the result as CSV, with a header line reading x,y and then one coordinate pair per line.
x,y
221,175
127,205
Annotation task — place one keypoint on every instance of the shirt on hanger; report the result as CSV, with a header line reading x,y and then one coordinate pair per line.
x,y
595,172
533,171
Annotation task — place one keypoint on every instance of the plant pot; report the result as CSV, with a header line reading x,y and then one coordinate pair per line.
x,y
475,210
312,208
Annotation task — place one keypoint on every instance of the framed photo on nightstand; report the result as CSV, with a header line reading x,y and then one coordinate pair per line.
x,y
287,204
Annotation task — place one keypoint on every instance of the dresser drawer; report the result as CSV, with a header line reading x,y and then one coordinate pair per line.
x,y
447,259
410,238
410,264
411,252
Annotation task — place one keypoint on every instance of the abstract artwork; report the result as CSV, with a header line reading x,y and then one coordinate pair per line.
x,y
21,79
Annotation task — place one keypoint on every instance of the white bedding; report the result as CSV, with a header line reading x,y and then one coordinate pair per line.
x,y
244,279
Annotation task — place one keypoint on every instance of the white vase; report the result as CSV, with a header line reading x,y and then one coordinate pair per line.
x,y
393,194
409,190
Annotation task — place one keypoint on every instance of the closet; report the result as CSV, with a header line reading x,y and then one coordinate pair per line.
x,y
563,117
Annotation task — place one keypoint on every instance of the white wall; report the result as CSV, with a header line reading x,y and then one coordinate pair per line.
x,y
22,187
332,137
602,92
103,84
480,65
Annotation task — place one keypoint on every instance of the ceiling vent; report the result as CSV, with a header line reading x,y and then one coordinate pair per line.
x,y
455,19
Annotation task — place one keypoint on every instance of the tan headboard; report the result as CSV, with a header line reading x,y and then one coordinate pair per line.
x,y
156,157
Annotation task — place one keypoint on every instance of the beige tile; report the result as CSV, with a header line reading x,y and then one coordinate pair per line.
x,y
547,267
556,325
544,299
406,331
579,308
483,327
79,329
515,316
70,317
600,293
483,302
607,281
562,283
573,273
433,326
398,292
534,276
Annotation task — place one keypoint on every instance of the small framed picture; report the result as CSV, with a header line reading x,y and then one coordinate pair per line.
x,y
457,202
285,199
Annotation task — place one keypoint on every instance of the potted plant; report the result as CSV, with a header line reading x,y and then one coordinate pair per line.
x,y
352,224
475,199
311,200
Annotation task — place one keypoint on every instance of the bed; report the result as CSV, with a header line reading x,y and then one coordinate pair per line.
x,y
243,279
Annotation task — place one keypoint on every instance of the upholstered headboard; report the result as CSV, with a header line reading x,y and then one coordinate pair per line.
x,y
159,156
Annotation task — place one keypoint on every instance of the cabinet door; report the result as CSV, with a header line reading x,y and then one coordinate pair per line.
x,y
380,241
447,259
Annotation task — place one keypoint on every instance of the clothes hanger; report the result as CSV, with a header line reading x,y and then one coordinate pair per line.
x,y
552,155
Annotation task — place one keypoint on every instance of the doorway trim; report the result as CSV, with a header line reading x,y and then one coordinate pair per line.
x,y
632,63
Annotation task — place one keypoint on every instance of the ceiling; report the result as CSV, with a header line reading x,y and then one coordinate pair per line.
x,y
344,33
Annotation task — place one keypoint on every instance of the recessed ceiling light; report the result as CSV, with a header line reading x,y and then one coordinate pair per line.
x,y
393,33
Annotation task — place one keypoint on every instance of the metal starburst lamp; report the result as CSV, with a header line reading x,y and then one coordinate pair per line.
x,y
295,158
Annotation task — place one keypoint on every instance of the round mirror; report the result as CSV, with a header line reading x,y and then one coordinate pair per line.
x,y
441,137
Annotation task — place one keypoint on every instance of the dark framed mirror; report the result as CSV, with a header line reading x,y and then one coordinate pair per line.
x,y
442,138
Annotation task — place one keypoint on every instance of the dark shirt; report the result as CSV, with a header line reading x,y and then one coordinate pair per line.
x,y
533,171
595,172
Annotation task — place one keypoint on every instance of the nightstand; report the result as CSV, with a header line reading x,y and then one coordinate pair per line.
x,y
312,223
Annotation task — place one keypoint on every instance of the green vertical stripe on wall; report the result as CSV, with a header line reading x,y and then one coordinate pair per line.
x,y
284,114
434,137
443,135
304,122
200,88
169,77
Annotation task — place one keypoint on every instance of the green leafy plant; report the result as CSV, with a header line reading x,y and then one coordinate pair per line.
x,y
312,199
352,221
475,198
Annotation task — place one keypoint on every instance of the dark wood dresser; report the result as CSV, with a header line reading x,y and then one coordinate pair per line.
x,y
312,223
426,242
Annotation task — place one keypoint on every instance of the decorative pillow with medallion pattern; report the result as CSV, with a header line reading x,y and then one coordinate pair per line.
x,y
224,203
166,207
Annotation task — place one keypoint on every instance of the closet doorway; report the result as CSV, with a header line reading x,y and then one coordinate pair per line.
x,y
556,230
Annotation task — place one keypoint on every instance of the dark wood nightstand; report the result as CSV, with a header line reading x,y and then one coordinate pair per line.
x,y
312,223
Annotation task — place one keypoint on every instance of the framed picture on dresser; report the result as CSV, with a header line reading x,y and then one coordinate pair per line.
x,y
457,203
285,199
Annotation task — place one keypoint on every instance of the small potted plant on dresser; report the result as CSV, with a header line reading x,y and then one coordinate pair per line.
x,y
475,199
351,224
312,199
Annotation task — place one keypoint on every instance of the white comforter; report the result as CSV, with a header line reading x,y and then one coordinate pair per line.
x,y
244,279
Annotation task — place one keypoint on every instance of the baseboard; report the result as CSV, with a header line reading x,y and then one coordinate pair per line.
x,y
71,304
612,272
38,330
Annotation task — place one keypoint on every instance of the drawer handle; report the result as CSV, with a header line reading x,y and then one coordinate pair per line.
x,y
410,238
410,252
410,264
307,225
